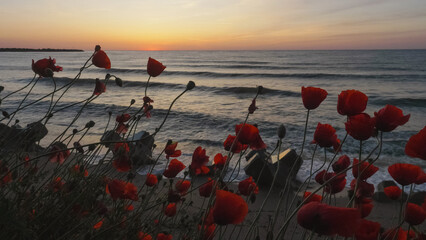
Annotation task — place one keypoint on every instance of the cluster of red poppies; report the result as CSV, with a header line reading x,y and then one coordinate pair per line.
x,y
228,207
329,220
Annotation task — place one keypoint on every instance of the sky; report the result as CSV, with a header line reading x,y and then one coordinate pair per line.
x,y
213,24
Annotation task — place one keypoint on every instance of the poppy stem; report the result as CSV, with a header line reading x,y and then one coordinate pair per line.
x,y
23,100
147,83
20,88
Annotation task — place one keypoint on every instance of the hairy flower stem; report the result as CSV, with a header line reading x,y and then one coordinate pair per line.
x,y
19,89
147,83
23,100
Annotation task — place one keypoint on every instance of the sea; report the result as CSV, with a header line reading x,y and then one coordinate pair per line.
x,y
226,82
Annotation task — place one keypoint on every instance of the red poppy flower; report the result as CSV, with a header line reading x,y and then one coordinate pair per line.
x,y
341,164
325,135
208,231
162,236
171,151
57,184
154,67
364,208
77,169
58,152
249,134
309,197
237,148
367,230
121,147
122,128
182,186
252,106
151,180
351,102
414,214
393,192
247,187
101,60
122,162
98,224
207,188
99,87
199,160
144,236
229,208
220,160
390,117
360,126
363,189
334,186
421,178
394,234
123,190
174,168
312,97
404,173
6,173
123,118
170,210
364,169
147,106
42,65
328,220
416,145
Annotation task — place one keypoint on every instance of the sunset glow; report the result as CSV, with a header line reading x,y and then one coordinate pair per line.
x,y
213,25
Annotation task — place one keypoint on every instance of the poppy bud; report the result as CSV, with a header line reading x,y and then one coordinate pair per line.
x,y
48,72
132,101
74,131
97,48
190,85
1,88
119,82
259,89
5,114
90,124
107,76
16,121
281,131
150,107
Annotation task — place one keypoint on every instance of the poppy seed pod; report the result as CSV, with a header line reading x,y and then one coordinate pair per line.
x,y
132,101
281,131
1,88
5,114
90,124
119,82
190,85
97,48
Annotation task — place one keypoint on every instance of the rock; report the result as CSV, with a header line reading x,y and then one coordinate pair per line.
x,y
263,169
141,152
418,197
380,195
12,138
110,136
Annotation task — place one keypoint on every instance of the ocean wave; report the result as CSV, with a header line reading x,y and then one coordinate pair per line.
x,y
411,102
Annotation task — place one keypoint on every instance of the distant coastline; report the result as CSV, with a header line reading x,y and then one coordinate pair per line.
x,y
38,50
